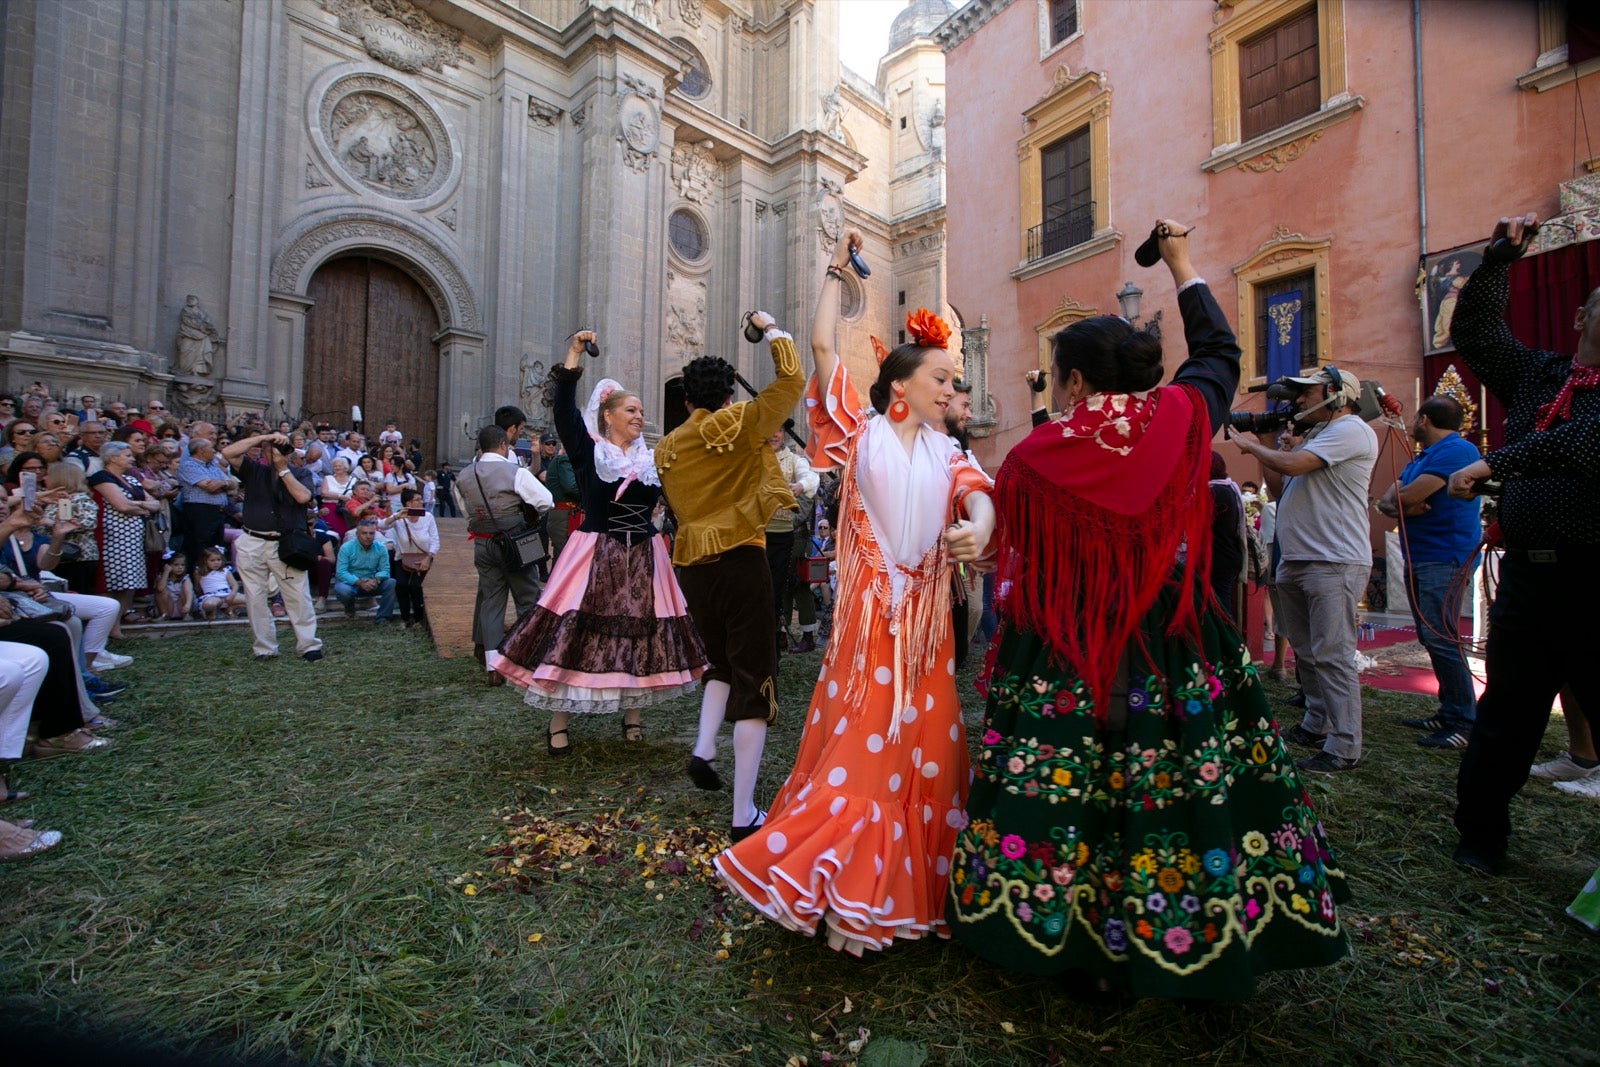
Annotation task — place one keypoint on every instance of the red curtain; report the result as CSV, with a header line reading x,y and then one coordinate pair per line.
x,y
1546,291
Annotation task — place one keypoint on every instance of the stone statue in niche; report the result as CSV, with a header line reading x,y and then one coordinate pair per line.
x,y
694,171
643,11
530,384
382,144
936,130
833,113
686,317
198,339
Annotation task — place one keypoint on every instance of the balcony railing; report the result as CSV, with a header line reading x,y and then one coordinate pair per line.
x,y
1061,232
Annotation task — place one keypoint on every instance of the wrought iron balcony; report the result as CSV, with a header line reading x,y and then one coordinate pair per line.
x,y
1062,231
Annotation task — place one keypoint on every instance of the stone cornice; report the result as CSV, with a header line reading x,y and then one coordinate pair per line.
x,y
1277,148
967,21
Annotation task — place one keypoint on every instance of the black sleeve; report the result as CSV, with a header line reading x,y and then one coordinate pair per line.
x,y
1479,331
1041,416
1213,363
569,420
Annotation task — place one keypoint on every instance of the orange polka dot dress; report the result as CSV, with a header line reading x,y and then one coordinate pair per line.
x,y
859,837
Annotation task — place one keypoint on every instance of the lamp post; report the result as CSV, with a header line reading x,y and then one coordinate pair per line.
x,y
1128,299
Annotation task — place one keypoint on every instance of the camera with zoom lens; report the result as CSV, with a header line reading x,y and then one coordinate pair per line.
x,y
1259,421
284,449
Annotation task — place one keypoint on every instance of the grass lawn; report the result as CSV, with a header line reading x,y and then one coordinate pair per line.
x,y
372,860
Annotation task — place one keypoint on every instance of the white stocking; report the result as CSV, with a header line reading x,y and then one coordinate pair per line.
x,y
749,738
713,706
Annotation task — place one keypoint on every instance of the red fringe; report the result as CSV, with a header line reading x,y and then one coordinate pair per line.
x,y
1082,576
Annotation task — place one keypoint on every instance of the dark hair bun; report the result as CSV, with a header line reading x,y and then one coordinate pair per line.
x,y
1139,354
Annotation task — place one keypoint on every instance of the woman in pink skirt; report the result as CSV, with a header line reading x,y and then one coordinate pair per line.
x,y
611,632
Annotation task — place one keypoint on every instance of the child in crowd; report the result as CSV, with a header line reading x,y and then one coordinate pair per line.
x,y
430,490
174,591
219,587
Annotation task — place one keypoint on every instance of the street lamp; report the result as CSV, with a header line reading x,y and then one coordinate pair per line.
x,y
1128,298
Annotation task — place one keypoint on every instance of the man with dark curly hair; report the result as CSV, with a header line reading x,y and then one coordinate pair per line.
x,y
723,483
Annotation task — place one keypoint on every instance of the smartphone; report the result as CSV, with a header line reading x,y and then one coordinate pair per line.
x,y
415,511
64,510
29,481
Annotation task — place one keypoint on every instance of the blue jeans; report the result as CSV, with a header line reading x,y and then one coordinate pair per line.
x,y
1436,608
347,594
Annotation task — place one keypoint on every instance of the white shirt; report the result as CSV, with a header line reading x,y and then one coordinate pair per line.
x,y
905,494
421,535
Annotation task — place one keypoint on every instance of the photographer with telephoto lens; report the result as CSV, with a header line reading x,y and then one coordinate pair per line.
x,y
1324,537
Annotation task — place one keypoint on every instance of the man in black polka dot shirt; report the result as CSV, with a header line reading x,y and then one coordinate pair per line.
x,y
1550,515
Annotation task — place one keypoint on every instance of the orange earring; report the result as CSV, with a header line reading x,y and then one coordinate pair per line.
x,y
899,410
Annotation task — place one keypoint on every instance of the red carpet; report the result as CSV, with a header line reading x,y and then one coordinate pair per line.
x,y
1399,677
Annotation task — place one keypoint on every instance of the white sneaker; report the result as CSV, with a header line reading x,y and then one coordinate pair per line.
x,y
108,661
321,605
1587,786
1560,769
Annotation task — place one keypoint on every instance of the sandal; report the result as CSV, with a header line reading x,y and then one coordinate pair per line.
x,y
550,743
133,615
77,741
17,843
633,731
9,795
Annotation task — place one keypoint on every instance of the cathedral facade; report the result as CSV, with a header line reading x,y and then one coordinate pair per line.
x,y
305,207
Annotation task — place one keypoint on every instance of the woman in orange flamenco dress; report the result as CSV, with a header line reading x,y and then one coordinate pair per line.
x,y
859,837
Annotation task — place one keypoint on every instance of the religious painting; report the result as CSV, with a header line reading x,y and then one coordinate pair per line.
x,y
1443,274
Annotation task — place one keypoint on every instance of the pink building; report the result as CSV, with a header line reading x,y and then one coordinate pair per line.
x,y
1335,155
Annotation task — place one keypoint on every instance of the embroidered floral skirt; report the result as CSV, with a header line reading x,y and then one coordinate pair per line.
x,y
1175,856
610,632
859,836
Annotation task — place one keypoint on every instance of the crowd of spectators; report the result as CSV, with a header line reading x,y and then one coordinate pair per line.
x,y
118,516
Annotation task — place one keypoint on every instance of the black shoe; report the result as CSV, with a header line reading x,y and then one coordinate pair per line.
x,y
550,743
1445,737
807,643
1325,763
633,731
739,833
1297,699
703,775
1299,735
1433,723
262,657
1474,859
313,656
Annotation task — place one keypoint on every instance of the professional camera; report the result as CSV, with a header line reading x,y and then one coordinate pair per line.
x,y
1258,421
1373,403
284,449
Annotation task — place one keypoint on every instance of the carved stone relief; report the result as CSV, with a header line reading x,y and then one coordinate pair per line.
x,y
830,212
690,12
198,339
686,317
643,11
695,171
1277,158
831,122
314,176
385,136
396,33
449,217
542,112
638,123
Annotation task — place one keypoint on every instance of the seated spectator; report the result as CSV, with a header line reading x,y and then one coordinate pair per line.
x,y
363,570
328,544
363,503
174,590
218,589
65,714
169,431
28,548
390,435
337,488
368,471
80,552
415,537
398,481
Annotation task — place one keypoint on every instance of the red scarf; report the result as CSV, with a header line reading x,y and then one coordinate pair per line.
x,y
1092,507
1560,409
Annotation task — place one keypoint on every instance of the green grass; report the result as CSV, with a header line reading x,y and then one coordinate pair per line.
x,y
272,861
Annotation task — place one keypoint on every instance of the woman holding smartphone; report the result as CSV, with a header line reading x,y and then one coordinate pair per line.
x,y
415,537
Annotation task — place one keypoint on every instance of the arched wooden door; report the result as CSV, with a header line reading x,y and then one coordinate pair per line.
x,y
369,342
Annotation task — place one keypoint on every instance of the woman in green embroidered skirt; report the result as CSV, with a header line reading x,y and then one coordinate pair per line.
x,y
1134,817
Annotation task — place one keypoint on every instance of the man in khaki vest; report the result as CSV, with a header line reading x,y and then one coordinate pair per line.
x,y
721,479
501,498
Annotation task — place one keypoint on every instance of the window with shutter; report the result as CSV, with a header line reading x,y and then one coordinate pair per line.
x,y
1068,198
1278,75
1063,20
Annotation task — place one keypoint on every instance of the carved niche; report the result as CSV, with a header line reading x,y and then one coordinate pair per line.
x,y
396,33
385,137
638,123
686,317
695,171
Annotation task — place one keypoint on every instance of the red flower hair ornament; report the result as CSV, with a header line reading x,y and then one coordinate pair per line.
x,y
927,329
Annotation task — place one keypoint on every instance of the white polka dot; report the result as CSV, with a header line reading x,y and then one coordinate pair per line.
x,y
837,776
898,830
916,756
833,690
930,769
927,813
909,715
888,904
883,676
950,666
894,783
877,861
837,806
875,743
804,792
952,818
927,705
816,716
955,800
842,725
776,842
908,864
942,866
798,809
955,731
877,812
823,673
856,829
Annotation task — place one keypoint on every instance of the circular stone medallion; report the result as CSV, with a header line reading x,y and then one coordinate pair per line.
x,y
385,136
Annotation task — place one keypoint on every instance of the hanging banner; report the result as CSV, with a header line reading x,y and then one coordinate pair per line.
x,y
1283,334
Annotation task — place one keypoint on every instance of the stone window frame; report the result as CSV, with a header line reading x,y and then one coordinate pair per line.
x,y
1074,102
851,288
704,70
1284,255
1065,314
690,265
1046,49
1551,68
1245,20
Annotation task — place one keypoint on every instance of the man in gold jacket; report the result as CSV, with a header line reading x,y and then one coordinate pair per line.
x,y
722,480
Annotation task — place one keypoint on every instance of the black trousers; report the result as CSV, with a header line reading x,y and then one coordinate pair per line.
x,y
780,561
1539,643
202,526
55,709
408,592
731,606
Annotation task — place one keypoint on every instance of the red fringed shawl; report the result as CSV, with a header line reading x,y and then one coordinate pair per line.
x,y
1092,508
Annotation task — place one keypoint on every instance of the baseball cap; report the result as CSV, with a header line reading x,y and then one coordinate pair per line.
x,y
1347,384
549,439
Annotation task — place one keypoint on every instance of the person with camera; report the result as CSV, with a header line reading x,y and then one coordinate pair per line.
x,y
1439,537
1549,514
502,498
415,536
274,502
1325,548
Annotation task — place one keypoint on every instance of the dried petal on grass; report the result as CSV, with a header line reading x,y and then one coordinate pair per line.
x,y
1009,1028
534,939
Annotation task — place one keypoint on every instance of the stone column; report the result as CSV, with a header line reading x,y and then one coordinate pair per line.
x,y
462,392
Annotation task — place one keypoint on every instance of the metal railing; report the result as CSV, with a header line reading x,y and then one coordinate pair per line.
x,y
1062,231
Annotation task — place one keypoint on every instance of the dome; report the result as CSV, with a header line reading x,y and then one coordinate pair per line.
x,y
919,19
